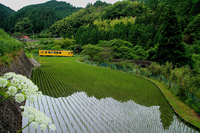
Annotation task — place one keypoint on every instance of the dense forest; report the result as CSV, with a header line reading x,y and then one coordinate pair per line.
x,y
159,30
39,17
4,13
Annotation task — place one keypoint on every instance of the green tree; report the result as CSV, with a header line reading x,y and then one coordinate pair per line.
x,y
94,36
24,26
66,42
170,47
91,50
57,47
149,44
84,39
193,29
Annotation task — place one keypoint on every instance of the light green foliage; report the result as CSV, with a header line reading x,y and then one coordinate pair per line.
x,y
120,48
8,44
166,71
57,47
155,68
124,49
92,50
139,52
184,82
57,42
44,34
71,23
66,42
110,24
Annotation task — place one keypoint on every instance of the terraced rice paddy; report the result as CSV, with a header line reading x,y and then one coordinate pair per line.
x,y
83,98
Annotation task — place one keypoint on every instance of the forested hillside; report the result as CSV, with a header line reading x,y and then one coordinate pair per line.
x,y
40,16
144,24
4,13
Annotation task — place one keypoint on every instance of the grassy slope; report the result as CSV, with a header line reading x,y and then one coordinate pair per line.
x,y
179,107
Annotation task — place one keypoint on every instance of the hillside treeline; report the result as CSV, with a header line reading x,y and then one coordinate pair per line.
x,y
144,24
4,13
40,16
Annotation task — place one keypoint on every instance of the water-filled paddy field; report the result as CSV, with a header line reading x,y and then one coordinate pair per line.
x,y
84,98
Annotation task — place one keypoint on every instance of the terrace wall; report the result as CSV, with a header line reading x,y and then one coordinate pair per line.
x,y
10,113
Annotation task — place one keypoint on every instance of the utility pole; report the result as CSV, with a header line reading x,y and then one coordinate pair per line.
x,y
33,34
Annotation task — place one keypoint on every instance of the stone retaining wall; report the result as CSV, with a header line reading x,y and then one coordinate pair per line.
x,y
10,113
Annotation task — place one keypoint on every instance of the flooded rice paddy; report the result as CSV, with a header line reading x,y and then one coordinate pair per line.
x,y
87,99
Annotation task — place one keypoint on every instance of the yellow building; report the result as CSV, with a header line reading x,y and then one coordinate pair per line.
x,y
64,53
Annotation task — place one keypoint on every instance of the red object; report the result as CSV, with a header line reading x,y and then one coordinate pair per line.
x,y
25,37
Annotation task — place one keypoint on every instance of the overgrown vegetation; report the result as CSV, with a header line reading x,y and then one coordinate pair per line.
x,y
8,47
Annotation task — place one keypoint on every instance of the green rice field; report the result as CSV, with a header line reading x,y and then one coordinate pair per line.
x,y
88,99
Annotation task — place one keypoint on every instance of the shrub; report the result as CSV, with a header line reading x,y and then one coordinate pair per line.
x,y
8,44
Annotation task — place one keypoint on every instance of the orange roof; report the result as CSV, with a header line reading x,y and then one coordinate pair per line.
x,y
25,37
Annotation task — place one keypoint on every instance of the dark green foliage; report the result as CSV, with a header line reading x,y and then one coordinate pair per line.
x,y
149,44
4,13
153,4
75,48
24,26
41,15
196,47
99,3
193,29
170,47
124,49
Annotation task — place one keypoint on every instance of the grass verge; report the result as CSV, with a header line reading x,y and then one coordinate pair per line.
x,y
179,107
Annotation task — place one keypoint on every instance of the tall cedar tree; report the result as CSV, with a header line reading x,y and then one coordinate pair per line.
x,y
170,47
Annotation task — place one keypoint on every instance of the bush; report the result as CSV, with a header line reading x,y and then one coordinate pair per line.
x,y
196,108
57,47
35,51
8,44
6,60
57,42
66,42
188,102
